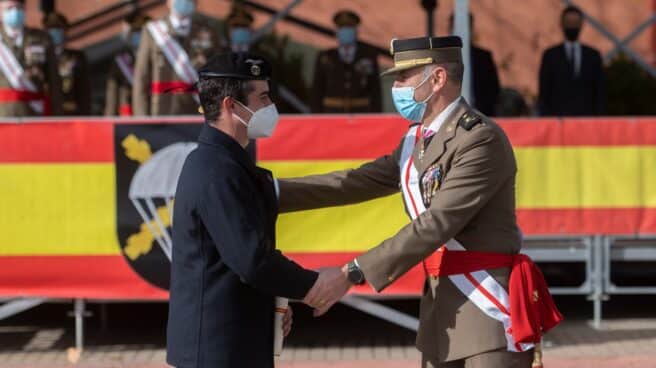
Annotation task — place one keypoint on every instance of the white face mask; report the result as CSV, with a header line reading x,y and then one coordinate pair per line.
x,y
262,123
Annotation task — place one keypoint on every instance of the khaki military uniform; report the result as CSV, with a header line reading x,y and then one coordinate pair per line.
x,y
340,87
153,69
473,204
118,92
75,82
37,57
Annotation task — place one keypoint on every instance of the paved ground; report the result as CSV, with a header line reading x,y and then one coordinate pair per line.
x,y
343,339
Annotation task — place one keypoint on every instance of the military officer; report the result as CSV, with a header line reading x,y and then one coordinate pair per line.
x,y
240,36
346,78
240,33
225,269
170,51
118,93
456,170
29,81
73,68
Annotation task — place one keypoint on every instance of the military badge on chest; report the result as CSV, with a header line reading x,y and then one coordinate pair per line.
x,y
430,183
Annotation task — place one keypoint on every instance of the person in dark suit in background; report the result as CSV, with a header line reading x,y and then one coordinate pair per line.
x,y
485,80
572,81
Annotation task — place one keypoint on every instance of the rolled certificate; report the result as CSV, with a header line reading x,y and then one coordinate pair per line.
x,y
278,315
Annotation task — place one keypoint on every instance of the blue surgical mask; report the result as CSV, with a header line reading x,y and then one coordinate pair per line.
x,y
57,36
135,38
404,101
14,17
240,36
184,8
346,35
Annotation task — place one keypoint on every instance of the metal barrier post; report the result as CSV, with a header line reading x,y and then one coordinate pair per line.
x,y
79,324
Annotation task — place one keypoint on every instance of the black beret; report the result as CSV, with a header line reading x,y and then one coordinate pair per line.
x,y
237,65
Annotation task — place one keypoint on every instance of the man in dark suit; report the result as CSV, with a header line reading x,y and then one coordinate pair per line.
x,y
225,269
485,80
572,81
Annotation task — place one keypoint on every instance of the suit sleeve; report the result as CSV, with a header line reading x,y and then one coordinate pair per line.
x,y
377,101
494,87
142,76
544,89
84,92
318,86
230,215
600,85
479,169
54,80
375,179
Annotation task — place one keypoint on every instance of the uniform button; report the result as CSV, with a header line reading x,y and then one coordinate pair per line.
x,y
390,278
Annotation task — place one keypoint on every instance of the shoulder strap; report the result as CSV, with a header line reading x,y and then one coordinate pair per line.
x,y
469,119
174,53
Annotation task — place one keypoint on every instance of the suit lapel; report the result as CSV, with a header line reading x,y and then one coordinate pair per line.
x,y
437,145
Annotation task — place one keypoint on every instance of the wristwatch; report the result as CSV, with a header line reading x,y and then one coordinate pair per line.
x,y
355,275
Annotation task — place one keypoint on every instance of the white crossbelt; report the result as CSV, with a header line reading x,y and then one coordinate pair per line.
x,y
15,74
479,287
174,53
124,62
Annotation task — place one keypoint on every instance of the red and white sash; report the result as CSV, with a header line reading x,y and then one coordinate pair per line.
x,y
479,287
15,74
126,65
174,53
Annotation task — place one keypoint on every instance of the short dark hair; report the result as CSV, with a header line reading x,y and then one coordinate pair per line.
x,y
571,9
454,70
212,91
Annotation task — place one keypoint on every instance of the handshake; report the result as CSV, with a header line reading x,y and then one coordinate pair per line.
x,y
331,285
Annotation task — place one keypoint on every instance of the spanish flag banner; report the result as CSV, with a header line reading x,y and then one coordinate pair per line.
x,y
84,215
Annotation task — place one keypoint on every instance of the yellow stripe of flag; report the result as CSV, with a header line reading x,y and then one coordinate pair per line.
x,y
69,209
58,209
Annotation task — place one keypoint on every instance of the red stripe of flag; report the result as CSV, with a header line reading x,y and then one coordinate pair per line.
x,y
55,143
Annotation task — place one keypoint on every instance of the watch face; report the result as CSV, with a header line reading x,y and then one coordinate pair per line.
x,y
355,275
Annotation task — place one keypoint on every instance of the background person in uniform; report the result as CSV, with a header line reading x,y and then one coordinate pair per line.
x,y
238,27
240,36
485,79
457,173
73,68
225,269
158,88
34,88
346,78
118,93
572,81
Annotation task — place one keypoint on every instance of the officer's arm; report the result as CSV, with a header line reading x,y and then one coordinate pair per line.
x,y
230,214
374,179
142,76
479,169
111,95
